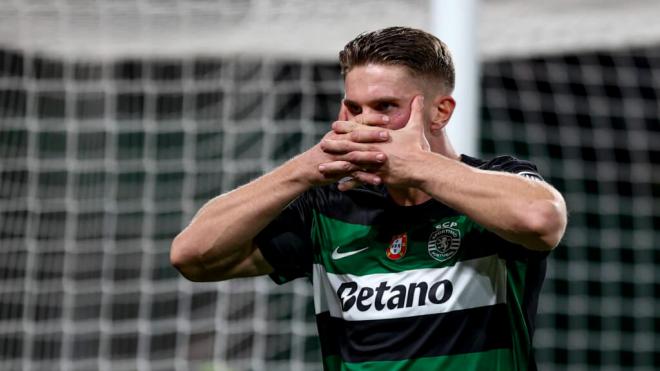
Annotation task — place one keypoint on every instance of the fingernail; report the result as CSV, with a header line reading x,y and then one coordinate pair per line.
x,y
386,118
321,167
383,134
380,157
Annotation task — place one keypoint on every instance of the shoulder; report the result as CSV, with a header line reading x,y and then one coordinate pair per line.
x,y
357,205
506,163
329,195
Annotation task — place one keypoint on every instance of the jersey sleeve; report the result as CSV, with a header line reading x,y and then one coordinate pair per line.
x,y
513,165
510,164
286,243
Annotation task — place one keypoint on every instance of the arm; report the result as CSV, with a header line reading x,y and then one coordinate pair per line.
x,y
527,212
218,243
521,210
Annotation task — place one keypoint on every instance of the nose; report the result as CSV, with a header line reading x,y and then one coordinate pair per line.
x,y
368,111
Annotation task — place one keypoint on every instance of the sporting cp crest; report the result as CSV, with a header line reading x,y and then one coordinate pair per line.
x,y
444,241
398,247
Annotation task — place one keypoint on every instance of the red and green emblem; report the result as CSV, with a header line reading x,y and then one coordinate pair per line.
x,y
398,247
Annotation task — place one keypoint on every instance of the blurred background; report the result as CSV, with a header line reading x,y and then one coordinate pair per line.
x,y
119,119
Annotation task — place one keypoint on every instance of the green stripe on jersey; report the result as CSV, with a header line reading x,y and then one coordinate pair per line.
x,y
357,249
493,360
517,272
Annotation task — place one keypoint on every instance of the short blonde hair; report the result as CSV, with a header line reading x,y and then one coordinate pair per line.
x,y
422,53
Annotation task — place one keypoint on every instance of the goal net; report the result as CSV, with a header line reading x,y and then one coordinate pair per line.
x,y
119,119
574,87
590,122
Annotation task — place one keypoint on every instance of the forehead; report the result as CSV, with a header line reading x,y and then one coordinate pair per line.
x,y
373,80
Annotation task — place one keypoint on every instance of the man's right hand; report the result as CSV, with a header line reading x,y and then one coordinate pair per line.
x,y
325,167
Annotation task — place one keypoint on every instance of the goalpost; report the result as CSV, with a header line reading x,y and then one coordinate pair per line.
x,y
455,23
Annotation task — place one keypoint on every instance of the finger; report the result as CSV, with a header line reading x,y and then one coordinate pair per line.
x,y
344,127
366,177
369,136
354,153
343,113
337,169
359,121
341,146
347,183
416,120
371,119
364,159
360,133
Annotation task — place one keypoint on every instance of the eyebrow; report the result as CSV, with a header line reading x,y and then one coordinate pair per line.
x,y
386,99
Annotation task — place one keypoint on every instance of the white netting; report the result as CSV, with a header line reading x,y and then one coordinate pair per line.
x,y
119,119
102,165
590,122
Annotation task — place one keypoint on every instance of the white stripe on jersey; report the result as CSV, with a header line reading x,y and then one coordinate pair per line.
x,y
468,284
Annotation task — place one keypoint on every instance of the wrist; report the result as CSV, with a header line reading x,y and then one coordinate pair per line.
x,y
299,172
421,168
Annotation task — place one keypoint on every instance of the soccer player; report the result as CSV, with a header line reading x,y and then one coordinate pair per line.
x,y
420,258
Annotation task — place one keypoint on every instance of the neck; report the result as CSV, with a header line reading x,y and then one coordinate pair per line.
x,y
407,196
441,144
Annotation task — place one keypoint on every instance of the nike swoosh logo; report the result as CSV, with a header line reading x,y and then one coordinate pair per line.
x,y
336,255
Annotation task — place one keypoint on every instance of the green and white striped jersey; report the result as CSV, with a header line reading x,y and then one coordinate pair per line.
x,y
409,288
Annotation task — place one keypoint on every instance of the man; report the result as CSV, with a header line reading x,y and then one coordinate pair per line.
x,y
420,258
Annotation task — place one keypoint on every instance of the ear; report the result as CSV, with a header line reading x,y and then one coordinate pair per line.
x,y
443,108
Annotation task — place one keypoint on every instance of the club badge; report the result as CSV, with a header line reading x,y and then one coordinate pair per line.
x,y
398,247
444,241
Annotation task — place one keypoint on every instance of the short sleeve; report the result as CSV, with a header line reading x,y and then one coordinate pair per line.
x,y
510,164
286,243
513,165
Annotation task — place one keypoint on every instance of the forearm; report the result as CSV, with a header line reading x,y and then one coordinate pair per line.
x,y
219,237
520,210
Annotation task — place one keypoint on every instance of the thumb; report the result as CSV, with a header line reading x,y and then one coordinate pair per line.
x,y
416,120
